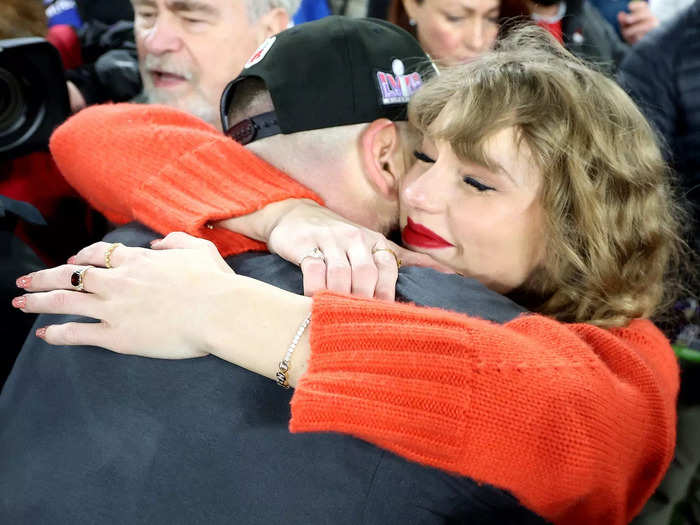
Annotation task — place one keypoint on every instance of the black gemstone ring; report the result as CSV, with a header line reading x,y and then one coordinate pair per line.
x,y
77,278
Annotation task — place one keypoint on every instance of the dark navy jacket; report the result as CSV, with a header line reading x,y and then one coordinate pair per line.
x,y
88,436
662,74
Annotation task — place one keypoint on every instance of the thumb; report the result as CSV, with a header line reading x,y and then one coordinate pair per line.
x,y
179,240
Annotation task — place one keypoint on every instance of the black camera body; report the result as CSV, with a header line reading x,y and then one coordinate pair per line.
x,y
33,95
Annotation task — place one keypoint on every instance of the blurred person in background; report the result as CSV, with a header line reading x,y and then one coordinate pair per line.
x,y
454,31
180,47
662,73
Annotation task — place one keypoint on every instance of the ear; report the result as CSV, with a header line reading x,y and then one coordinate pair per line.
x,y
272,22
382,156
410,8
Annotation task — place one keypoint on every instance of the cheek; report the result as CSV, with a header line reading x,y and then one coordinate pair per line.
x,y
438,39
499,247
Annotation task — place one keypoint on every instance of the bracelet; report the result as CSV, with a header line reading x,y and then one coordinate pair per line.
x,y
283,370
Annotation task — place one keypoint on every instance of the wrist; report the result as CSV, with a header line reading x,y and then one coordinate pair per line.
x,y
259,224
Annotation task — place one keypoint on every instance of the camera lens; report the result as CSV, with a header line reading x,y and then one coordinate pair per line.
x,y
13,107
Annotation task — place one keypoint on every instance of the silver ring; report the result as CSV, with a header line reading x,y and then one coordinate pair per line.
x,y
77,278
316,253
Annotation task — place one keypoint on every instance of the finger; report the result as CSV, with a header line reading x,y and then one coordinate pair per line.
x,y
95,254
363,269
60,302
637,6
411,258
635,33
74,334
388,268
338,271
639,17
314,272
95,280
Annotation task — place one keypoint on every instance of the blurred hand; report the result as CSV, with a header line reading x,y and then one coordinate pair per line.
x,y
638,22
357,260
75,97
150,303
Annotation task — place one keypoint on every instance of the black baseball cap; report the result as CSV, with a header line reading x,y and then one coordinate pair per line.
x,y
331,72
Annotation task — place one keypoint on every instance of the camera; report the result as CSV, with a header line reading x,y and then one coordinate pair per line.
x,y
33,95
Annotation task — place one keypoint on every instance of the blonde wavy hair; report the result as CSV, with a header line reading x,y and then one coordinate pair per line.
x,y
612,218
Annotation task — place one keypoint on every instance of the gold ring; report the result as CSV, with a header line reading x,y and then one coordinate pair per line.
x,y
109,252
392,252
316,253
77,278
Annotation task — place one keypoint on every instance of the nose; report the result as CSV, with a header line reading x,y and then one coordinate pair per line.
x,y
474,34
428,191
162,38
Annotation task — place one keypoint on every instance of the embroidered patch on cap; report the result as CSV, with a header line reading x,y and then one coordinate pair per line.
x,y
397,87
260,53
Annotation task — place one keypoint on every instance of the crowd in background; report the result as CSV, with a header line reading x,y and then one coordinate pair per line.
x,y
652,49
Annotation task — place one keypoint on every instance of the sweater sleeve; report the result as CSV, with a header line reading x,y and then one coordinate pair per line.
x,y
576,421
167,169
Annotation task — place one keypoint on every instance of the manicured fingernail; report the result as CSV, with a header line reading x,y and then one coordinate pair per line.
x,y
71,260
155,241
41,332
19,302
24,281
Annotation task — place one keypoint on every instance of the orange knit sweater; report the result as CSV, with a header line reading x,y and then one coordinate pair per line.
x,y
576,421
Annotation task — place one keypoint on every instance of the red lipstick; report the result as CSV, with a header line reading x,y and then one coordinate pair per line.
x,y
415,234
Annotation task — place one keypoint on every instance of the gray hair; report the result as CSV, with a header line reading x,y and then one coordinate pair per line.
x,y
258,8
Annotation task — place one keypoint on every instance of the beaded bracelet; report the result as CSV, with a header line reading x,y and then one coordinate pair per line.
x,y
283,371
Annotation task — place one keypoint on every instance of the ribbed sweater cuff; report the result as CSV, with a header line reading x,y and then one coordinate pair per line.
x,y
221,182
361,366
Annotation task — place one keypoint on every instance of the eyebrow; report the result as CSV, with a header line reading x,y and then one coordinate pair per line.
x,y
496,167
189,6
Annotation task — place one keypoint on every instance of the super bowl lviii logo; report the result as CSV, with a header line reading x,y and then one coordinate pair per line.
x,y
397,87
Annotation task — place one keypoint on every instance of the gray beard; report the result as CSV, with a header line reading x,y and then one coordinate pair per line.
x,y
199,108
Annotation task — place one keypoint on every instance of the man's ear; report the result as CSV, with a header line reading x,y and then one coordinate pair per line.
x,y
382,156
273,22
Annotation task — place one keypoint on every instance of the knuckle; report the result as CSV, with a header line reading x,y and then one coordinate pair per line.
x,y
314,265
366,271
58,300
68,333
338,269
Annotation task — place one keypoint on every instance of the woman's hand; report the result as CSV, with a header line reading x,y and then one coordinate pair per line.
x,y
150,303
333,253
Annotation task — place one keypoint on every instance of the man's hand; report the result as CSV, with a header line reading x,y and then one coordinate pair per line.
x,y
150,303
638,22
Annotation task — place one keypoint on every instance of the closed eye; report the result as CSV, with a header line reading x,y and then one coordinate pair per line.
x,y
476,184
423,157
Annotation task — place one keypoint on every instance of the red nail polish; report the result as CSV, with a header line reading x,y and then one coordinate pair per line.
x,y
19,302
24,281
41,332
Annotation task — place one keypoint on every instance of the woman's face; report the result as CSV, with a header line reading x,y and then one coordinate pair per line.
x,y
484,223
455,31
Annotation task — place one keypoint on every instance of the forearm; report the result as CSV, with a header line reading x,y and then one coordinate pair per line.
x,y
484,400
168,170
257,338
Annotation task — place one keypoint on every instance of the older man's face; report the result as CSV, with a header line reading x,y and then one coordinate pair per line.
x,y
190,49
